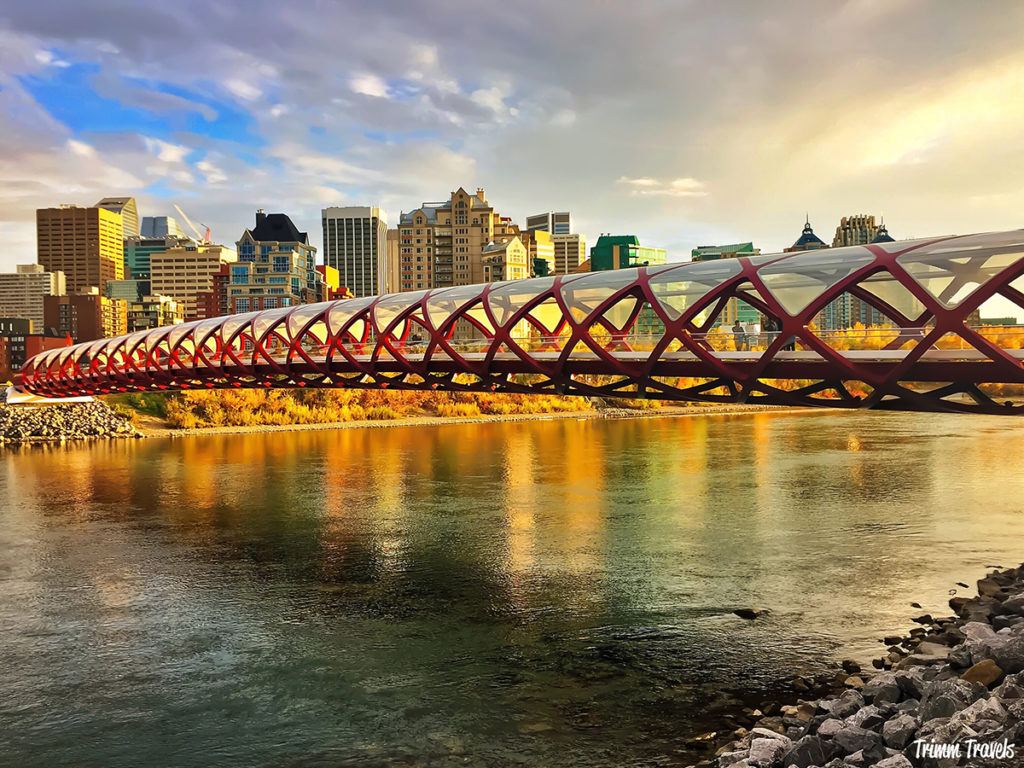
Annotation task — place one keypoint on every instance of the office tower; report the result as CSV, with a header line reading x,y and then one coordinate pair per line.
x,y
139,250
392,268
570,252
86,244
622,252
22,293
355,244
185,272
541,250
557,223
160,226
128,210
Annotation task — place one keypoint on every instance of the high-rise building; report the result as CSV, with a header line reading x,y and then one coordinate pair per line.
x,y
731,251
138,250
355,244
86,244
86,315
149,312
127,208
622,252
276,267
160,226
127,290
855,230
442,244
214,302
808,241
185,272
555,222
392,268
22,292
570,252
848,310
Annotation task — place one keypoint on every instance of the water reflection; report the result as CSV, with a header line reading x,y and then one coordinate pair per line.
x,y
536,591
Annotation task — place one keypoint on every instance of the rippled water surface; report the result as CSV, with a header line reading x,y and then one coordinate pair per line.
x,y
528,593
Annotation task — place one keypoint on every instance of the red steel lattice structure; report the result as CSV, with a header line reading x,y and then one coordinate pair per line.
x,y
648,332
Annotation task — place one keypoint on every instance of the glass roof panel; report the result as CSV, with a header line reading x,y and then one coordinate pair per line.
x,y
264,321
951,270
442,304
302,316
680,288
583,296
795,284
509,297
343,311
390,307
891,291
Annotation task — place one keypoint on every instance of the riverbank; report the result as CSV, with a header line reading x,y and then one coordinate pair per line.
x,y
63,422
950,693
155,427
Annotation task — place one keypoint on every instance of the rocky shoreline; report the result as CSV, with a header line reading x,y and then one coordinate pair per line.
x,y
951,693
60,423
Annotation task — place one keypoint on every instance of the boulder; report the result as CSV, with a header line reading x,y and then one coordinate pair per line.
x,y
989,587
944,698
883,689
986,672
845,704
1009,654
810,751
898,732
910,682
830,728
732,758
768,751
855,739
896,761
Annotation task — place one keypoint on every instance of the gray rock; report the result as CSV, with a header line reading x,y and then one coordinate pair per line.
x,y
732,758
899,731
883,688
1009,654
766,733
855,739
896,761
944,698
830,728
910,682
767,751
810,750
1014,604
866,717
846,704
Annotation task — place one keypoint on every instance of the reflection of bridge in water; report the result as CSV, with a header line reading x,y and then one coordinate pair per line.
x,y
653,332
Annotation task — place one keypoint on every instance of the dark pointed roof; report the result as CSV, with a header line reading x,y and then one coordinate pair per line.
x,y
277,227
883,236
807,237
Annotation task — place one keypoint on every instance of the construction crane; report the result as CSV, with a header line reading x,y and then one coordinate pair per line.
x,y
205,236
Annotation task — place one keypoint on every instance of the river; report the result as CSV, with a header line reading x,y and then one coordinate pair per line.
x,y
535,593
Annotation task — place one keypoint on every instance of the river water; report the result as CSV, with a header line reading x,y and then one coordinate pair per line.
x,y
535,593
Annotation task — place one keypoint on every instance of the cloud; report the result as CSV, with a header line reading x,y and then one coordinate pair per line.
x,y
242,89
165,151
550,106
681,187
369,85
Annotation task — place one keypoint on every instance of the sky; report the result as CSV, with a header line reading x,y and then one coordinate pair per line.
x,y
684,122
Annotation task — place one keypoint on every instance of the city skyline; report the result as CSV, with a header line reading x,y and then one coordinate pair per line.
x,y
704,128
